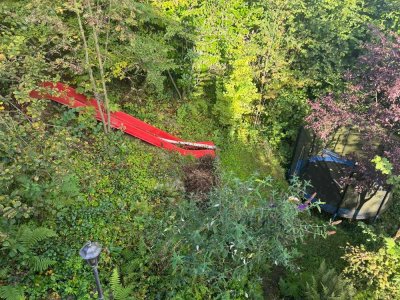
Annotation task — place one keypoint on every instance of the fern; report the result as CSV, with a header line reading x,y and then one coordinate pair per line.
x,y
8,292
119,292
4,272
40,264
22,249
29,238
327,285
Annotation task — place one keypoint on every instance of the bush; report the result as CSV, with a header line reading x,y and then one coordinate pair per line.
x,y
222,249
377,273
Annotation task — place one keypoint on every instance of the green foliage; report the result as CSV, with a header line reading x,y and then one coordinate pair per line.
x,y
11,293
322,283
236,97
35,181
250,60
385,14
223,247
386,223
22,248
383,164
195,124
245,160
29,238
330,250
329,32
76,184
119,292
282,119
26,241
219,249
242,71
136,43
40,264
376,272
326,284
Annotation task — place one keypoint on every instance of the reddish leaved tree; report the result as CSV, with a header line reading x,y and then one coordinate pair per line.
x,y
370,104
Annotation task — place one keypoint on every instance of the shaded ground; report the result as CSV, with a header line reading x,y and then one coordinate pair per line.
x,y
200,177
271,283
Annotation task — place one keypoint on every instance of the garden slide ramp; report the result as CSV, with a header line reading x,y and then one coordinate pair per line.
x,y
68,96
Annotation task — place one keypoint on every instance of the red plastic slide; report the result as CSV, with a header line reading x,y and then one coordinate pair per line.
x,y
66,95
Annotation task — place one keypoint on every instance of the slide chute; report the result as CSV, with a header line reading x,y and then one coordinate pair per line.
x,y
68,96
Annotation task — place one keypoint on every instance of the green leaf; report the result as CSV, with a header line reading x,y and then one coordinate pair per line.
x,y
8,292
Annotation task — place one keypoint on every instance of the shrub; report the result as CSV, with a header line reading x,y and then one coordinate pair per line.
x,y
222,249
375,272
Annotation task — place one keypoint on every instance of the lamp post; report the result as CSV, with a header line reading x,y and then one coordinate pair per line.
x,y
91,252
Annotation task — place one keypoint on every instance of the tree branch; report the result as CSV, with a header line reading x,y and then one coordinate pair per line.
x,y
89,68
101,68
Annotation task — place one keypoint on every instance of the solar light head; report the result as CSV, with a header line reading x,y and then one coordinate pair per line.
x,y
91,252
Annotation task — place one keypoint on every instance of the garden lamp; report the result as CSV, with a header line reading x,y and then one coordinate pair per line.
x,y
91,252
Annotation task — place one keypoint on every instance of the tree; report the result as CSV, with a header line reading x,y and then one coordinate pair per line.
x,y
370,104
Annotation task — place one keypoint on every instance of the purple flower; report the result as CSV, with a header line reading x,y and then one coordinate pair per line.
x,y
302,206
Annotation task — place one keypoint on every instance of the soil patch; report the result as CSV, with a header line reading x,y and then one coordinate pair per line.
x,y
200,177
